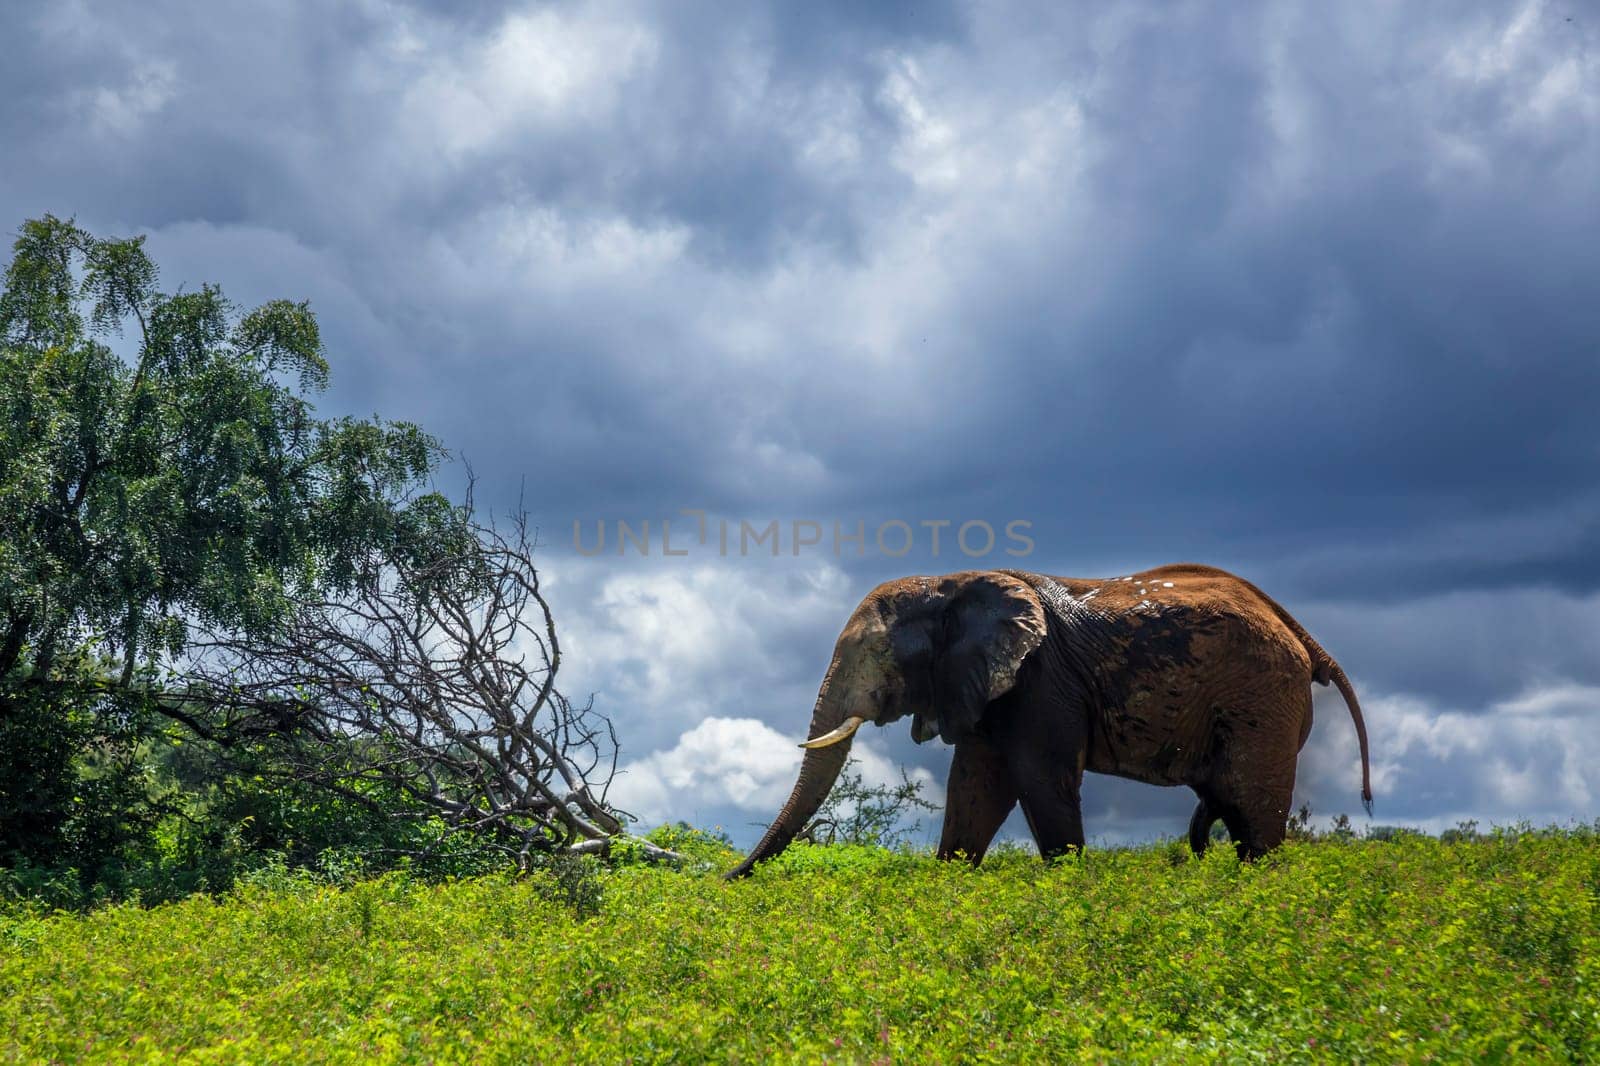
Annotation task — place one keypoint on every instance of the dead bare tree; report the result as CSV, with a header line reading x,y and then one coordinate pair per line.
x,y
435,676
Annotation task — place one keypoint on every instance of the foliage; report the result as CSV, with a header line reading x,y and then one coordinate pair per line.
x,y
1467,830
698,850
573,881
186,486
192,485
40,738
179,818
856,813
233,633
1408,950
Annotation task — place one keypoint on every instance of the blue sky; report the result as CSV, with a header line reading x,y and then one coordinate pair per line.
x,y
1307,291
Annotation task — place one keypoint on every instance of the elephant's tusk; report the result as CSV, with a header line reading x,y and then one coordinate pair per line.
x,y
844,732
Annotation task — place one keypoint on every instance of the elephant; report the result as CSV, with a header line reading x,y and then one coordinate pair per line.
x,y
1180,675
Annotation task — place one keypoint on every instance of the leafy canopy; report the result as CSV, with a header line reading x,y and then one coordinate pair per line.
x,y
188,483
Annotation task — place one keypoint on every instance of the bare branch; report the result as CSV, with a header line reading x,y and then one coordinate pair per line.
x,y
436,678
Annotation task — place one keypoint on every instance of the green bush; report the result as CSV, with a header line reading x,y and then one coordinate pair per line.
x,y
159,819
1407,949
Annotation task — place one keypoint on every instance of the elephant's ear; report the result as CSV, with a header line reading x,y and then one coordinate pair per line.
x,y
991,623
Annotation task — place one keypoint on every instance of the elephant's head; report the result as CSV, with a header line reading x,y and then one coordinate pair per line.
x,y
936,648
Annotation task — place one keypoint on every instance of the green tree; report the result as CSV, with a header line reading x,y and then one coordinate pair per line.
x,y
875,815
233,631
190,485
186,485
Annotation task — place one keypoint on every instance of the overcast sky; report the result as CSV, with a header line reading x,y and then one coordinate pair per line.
x,y
1307,291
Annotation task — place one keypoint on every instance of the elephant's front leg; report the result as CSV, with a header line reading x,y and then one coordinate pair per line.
x,y
977,800
1047,769
1055,817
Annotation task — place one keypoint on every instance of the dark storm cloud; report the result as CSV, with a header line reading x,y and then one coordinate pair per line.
x,y
1278,333
1305,291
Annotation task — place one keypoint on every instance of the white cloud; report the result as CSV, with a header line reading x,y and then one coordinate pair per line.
x,y
540,68
538,247
666,643
1535,757
1559,701
734,763
122,109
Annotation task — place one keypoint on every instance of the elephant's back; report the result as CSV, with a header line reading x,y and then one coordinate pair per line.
x,y
1195,599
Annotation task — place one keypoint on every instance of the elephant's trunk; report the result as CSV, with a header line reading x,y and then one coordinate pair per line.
x,y
818,771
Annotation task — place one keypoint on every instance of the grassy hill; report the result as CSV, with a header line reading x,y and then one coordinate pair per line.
x,y
1403,950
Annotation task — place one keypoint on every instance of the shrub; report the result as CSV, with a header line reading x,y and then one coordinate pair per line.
x,y
1396,951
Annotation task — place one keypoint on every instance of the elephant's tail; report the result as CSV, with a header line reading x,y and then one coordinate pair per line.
x,y
1324,669
1349,693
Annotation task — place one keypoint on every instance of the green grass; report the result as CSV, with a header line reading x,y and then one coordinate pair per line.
x,y
1407,950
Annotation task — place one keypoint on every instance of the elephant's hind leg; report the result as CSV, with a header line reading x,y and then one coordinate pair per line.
x,y
1207,813
1256,809
1253,787
1205,816
977,800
